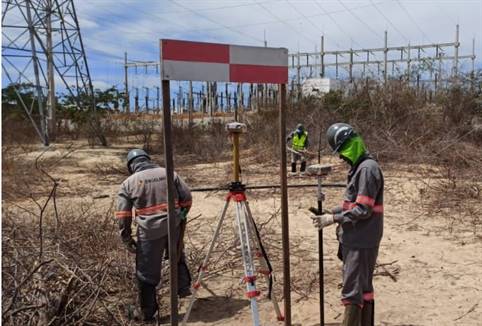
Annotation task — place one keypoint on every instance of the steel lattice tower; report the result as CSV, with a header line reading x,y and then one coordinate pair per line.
x,y
42,45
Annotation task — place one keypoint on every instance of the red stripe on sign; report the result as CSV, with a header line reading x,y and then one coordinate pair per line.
x,y
258,74
194,51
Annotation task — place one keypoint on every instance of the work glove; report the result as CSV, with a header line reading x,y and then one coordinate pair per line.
x,y
184,212
131,245
322,221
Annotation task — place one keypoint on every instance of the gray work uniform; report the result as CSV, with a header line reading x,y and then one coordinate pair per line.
x,y
360,230
145,193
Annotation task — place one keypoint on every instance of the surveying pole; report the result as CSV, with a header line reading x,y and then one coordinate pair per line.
x,y
320,171
320,241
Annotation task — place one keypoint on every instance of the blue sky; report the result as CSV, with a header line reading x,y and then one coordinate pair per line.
x,y
111,27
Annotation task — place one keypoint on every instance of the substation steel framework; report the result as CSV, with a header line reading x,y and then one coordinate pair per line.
x,y
408,54
42,44
402,57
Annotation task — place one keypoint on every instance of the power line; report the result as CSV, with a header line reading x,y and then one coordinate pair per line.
x,y
343,30
336,24
360,20
302,15
325,13
445,13
413,20
210,9
279,20
389,21
217,23
283,21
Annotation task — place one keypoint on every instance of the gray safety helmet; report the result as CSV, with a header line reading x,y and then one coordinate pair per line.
x,y
133,154
338,133
300,128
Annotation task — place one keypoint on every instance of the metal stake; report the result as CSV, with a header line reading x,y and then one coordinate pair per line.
x,y
320,244
284,207
171,209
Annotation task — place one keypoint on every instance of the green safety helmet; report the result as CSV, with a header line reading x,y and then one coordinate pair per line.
x,y
338,133
133,154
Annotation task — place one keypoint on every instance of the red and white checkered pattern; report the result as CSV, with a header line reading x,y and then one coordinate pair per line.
x,y
186,60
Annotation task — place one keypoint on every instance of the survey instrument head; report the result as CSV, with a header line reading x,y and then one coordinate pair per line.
x,y
318,170
236,127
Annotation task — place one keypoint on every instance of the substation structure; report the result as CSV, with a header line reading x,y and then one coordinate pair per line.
x,y
432,66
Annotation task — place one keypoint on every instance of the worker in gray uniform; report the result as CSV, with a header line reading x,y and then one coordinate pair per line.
x,y
360,224
143,196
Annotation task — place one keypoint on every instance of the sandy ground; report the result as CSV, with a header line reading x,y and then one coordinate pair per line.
x,y
431,277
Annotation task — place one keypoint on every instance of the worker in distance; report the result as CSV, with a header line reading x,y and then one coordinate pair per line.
x,y
299,144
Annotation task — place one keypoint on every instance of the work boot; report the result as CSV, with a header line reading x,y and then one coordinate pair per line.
x,y
352,316
368,313
147,300
303,167
137,315
293,167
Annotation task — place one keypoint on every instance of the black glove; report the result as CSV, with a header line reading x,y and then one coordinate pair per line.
x,y
131,245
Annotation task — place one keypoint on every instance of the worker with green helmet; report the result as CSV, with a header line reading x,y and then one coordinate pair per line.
x,y
299,143
360,223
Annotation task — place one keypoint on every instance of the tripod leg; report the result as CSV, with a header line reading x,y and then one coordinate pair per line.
x,y
202,268
249,270
264,263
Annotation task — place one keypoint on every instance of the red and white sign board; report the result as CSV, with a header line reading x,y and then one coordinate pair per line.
x,y
186,60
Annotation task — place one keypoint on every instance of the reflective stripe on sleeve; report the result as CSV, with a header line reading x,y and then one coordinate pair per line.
x,y
360,199
123,214
347,205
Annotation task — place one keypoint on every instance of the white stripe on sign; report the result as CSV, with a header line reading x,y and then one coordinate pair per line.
x,y
255,55
202,71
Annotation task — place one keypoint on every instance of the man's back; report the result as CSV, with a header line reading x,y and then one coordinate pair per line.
x,y
146,192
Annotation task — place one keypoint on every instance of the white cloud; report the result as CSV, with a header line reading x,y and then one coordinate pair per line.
x,y
100,84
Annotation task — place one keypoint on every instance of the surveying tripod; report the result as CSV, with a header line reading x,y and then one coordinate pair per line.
x,y
249,239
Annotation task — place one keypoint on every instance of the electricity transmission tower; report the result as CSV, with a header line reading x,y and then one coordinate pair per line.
x,y
42,46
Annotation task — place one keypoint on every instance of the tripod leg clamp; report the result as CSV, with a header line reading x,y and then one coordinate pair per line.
x,y
237,196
